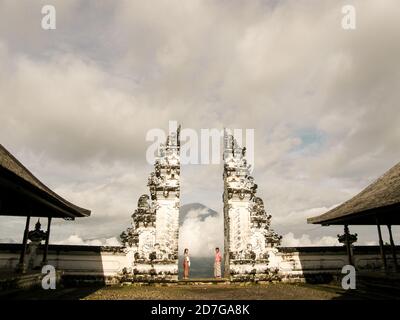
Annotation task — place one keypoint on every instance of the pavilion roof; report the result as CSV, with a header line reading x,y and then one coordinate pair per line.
x,y
381,199
23,194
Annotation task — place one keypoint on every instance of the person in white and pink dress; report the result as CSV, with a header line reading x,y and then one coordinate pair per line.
x,y
217,263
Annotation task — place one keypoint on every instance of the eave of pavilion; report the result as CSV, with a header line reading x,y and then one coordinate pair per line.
x,y
387,215
22,194
380,201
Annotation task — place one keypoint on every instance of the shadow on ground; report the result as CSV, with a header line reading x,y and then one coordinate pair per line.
x,y
273,291
61,293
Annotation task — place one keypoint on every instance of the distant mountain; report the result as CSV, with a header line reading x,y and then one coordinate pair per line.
x,y
186,208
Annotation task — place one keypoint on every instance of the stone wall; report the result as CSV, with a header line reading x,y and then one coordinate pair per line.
x,y
106,264
93,263
316,264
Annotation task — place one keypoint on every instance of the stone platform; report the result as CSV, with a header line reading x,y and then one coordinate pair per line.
x,y
199,281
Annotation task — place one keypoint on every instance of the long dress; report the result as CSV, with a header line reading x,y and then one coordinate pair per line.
x,y
217,265
186,266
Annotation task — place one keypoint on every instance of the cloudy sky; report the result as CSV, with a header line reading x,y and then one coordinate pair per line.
x,y
76,103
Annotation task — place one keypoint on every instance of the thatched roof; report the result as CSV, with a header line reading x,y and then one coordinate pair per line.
x,y
381,200
24,194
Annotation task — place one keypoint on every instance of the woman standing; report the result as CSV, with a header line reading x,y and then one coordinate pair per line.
x,y
217,263
186,264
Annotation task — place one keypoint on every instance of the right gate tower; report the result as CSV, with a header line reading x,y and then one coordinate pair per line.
x,y
249,239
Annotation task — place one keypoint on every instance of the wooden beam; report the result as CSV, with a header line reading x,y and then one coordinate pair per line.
x,y
21,264
396,267
46,245
382,249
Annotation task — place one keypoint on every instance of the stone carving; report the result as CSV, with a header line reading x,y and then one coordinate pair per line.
x,y
249,238
151,244
36,237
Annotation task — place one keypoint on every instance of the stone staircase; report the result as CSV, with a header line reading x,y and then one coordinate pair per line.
x,y
199,281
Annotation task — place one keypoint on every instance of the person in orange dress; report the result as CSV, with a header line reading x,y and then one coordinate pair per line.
x,y
186,264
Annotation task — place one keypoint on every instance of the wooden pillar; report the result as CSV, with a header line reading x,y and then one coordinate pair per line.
x,y
46,245
348,244
396,267
21,264
383,256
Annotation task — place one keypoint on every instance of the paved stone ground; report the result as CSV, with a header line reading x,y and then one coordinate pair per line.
x,y
278,291
213,291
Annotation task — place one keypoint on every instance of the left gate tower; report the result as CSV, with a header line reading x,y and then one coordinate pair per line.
x,y
151,243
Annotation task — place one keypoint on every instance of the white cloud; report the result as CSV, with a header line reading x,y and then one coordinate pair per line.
x,y
289,240
77,240
200,233
301,216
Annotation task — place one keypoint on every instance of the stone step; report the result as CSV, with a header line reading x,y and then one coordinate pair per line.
x,y
203,281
